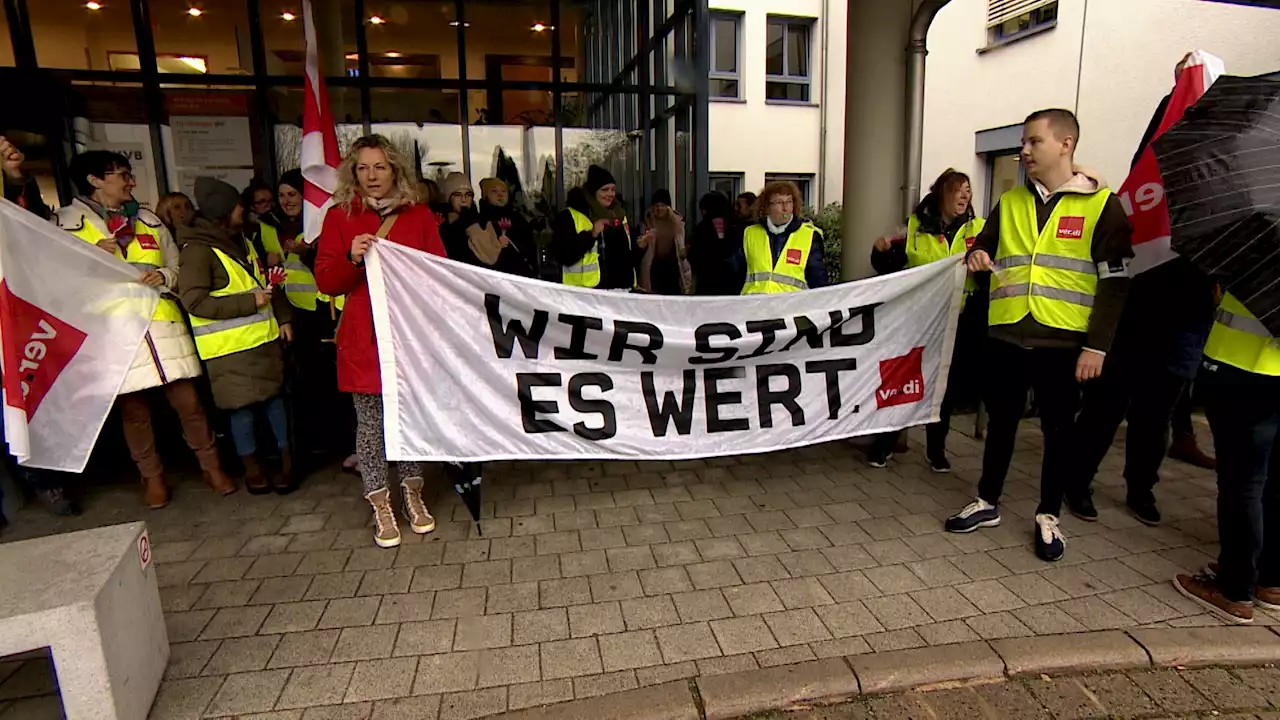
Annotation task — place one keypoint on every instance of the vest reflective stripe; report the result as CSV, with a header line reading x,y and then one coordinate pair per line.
x,y
924,248
217,338
144,260
586,272
299,283
1241,340
764,276
1046,272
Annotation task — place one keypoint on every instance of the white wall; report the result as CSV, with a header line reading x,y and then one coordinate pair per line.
x,y
754,137
1129,50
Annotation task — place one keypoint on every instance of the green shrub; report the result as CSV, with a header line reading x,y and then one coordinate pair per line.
x,y
828,220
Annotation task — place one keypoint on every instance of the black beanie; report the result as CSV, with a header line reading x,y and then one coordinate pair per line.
x,y
597,177
214,198
293,179
661,196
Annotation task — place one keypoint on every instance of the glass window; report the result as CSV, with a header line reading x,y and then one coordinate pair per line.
x,y
286,117
727,184
1006,174
1028,23
416,39
201,36
510,42
282,34
6,45
82,35
724,61
787,59
802,181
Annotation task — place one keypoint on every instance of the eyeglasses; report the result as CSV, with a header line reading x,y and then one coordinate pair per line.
x,y
125,175
787,202
464,194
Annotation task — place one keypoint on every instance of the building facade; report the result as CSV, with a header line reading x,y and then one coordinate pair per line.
x,y
532,91
1110,62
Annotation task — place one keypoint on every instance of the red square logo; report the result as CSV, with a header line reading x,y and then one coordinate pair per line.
x,y
968,242
901,380
1071,227
147,242
793,257
37,346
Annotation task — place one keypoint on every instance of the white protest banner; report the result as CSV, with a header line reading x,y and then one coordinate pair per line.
x,y
71,319
477,365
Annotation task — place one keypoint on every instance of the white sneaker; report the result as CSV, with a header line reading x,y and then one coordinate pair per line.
x,y
1050,544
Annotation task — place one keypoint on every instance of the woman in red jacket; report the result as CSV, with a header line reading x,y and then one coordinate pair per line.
x,y
376,201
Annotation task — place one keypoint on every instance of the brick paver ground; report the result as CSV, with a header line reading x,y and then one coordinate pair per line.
x,y
1245,693
591,578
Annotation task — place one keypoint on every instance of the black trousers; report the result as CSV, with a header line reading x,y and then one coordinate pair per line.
x,y
1133,386
1182,414
1012,371
1244,413
323,421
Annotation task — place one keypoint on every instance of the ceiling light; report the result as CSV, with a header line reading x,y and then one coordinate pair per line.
x,y
376,20
288,16
539,27
352,56
197,64
91,5
195,12
393,54
455,23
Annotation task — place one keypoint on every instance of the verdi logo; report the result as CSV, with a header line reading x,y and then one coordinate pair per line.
x,y
901,380
37,347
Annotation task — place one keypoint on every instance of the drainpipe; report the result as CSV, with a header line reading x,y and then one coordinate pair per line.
x,y
916,51
822,105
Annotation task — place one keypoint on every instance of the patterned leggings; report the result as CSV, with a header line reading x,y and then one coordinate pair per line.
x,y
371,446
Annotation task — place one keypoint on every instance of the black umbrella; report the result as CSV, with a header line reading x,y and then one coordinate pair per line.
x,y
466,482
1221,171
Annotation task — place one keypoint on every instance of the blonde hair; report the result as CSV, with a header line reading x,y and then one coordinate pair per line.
x,y
164,209
349,185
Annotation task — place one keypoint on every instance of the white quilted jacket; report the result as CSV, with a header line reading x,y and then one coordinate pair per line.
x,y
167,353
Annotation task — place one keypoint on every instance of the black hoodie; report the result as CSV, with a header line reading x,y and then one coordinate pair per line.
x,y
895,258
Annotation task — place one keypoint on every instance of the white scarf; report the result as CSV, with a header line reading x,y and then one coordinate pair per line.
x,y
777,229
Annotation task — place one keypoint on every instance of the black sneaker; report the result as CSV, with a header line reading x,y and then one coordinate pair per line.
x,y
879,460
939,463
57,503
1050,545
977,514
1082,507
1145,510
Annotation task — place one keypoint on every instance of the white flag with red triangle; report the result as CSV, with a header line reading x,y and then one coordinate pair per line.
x,y
71,319
1142,193
320,158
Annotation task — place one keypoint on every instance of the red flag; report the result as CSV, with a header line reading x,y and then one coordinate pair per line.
x,y
1143,191
320,158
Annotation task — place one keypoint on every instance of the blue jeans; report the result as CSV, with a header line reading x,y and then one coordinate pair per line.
x,y
1244,413
243,423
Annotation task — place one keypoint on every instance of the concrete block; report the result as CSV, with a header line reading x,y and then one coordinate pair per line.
x,y
1080,652
778,688
1197,647
670,701
92,598
902,669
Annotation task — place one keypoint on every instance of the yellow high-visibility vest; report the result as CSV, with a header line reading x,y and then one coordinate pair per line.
x,y
585,272
1239,339
299,283
1047,272
143,252
787,274
216,338
924,248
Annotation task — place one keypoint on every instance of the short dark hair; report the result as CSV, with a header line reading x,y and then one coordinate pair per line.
x,y
255,185
750,197
292,178
95,163
1063,122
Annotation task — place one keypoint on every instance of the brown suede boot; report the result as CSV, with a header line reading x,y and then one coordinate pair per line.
x,y
156,494
1186,449
219,481
255,481
284,484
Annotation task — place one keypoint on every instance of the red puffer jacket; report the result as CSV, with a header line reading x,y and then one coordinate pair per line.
x,y
358,369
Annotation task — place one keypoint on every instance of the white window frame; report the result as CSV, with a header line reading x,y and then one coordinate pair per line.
x,y
736,75
786,21
739,179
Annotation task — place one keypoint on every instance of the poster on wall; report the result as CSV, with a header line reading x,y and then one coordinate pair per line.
x,y
207,145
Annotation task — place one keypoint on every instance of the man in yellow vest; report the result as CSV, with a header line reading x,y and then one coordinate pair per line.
x,y
1239,381
1058,249
105,213
783,251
